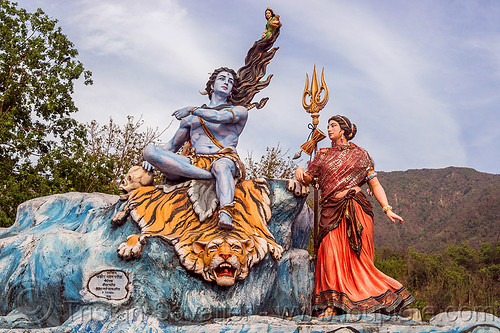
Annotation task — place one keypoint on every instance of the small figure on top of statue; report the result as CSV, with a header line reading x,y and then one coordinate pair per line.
x,y
273,23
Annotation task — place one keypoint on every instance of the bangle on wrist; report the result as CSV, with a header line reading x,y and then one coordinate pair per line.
x,y
193,110
387,208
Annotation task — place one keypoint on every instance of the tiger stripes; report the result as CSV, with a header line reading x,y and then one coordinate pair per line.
x,y
171,217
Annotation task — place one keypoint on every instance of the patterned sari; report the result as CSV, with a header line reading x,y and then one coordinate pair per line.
x,y
346,276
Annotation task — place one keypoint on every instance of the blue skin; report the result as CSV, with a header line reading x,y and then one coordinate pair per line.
x,y
223,127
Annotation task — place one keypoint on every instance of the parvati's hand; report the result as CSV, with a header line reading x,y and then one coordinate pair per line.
x,y
393,217
299,175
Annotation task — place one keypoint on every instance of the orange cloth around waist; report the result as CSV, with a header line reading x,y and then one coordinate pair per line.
x,y
205,161
351,282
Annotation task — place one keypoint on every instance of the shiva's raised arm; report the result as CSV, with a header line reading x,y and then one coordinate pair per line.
x,y
230,114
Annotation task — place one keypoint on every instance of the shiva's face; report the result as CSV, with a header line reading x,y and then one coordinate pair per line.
x,y
224,83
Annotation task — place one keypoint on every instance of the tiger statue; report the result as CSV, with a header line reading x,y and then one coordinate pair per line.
x,y
185,215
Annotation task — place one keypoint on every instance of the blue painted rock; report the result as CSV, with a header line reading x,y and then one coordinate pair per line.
x,y
60,258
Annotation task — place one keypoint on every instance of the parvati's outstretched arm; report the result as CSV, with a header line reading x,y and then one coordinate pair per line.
x,y
379,193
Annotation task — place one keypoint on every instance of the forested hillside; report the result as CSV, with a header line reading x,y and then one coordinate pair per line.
x,y
441,207
456,279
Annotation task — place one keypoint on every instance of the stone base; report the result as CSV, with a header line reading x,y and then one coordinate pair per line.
x,y
59,259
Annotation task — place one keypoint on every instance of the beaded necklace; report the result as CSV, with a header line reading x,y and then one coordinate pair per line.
x,y
341,147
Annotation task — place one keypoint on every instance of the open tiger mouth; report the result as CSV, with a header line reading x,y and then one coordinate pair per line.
x,y
225,270
123,194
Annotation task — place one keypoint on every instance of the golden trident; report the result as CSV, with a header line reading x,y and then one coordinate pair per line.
x,y
318,97
316,103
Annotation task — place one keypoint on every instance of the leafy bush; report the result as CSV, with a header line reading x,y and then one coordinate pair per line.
x,y
460,278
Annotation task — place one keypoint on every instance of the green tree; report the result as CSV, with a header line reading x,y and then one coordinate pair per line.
x,y
38,67
92,164
273,164
459,278
116,149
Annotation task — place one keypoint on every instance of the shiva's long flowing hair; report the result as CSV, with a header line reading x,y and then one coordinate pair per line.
x,y
248,79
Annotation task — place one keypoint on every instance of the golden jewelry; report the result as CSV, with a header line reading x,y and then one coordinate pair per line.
x,y
371,174
234,116
386,208
345,122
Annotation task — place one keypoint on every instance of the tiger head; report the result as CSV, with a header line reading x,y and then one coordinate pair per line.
x,y
224,259
136,177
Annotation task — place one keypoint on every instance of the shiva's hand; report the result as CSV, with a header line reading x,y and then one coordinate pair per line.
x,y
184,112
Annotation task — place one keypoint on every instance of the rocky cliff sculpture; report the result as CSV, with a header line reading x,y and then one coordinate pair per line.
x,y
58,264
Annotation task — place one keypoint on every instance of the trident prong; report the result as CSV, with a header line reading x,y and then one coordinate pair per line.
x,y
316,101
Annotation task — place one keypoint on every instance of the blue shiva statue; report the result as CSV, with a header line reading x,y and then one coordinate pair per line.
x,y
212,131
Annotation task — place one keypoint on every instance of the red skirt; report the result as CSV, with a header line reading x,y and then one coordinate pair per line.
x,y
352,283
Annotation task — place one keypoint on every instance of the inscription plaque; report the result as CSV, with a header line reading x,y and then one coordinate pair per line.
x,y
110,284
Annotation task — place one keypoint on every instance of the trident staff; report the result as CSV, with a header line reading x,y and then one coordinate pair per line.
x,y
314,100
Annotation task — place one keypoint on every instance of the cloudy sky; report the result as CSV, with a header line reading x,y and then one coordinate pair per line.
x,y
420,79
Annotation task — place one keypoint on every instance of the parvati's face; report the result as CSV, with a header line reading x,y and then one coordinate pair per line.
x,y
268,14
334,130
224,83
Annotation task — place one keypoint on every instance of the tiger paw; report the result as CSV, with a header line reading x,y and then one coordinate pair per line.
x,y
131,249
276,251
119,218
298,189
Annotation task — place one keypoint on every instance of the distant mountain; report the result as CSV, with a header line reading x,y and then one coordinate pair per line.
x,y
440,207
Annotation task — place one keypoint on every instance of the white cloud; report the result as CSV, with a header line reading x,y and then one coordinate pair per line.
x,y
159,35
389,71
402,71
487,48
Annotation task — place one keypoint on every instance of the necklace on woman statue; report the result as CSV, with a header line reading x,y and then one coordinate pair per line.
x,y
341,146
